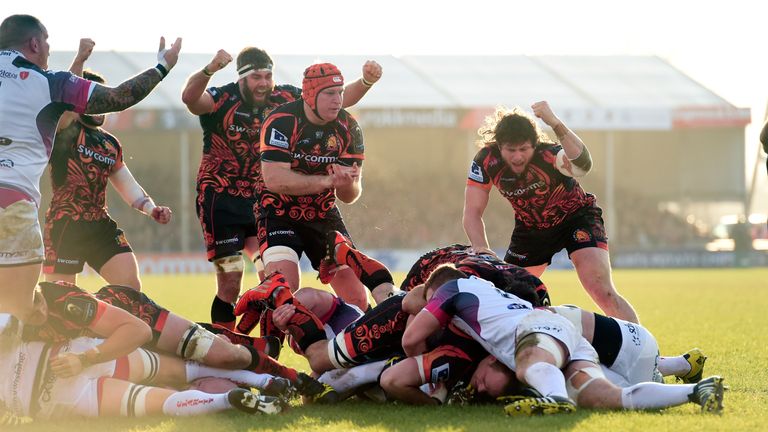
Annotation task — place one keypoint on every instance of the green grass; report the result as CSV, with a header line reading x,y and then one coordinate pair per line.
x,y
720,311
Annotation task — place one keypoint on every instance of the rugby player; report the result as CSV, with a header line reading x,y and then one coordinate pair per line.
x,y
552,211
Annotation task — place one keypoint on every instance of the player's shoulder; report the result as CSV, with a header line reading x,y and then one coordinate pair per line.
x,y
55,290
231,90
548,147
487,152
285,93
293,108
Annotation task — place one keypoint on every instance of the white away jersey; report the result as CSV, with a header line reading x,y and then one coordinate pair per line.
x,y
483,311
31,102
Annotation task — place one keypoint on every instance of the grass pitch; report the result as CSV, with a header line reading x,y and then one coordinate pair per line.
x,y
723,312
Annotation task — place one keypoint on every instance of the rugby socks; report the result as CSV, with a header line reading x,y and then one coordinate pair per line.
x,y
237,338
676,365
248,321
223,313
267,327
547,379
343,380
305,327
371,272
195,402
262,363
195,370
649,395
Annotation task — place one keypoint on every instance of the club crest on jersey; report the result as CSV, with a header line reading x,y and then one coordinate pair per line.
x,y
332,143
581,236
23,74
278,139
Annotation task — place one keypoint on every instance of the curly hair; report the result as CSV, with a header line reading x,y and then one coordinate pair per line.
x,y
509,126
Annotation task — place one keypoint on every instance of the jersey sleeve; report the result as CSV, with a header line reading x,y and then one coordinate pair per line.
x,y
275,145
77,307
355,151
70,90
442,305
119,159
478,175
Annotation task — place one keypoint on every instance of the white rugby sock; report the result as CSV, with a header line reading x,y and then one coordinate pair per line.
x,y
252,379
195,402
347,379
654,395
676,365
547,379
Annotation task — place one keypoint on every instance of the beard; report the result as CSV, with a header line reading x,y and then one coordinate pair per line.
x,y
92,121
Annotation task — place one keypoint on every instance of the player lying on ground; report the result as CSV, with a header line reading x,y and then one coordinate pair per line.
x,y
544,350
62,313
123,387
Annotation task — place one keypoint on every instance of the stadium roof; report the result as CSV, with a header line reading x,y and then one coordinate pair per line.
x,y
589,92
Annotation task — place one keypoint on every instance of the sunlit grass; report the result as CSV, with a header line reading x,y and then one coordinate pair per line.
x,y
723,312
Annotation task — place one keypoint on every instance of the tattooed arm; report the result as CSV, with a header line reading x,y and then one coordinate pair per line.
x,y
111,99
108,99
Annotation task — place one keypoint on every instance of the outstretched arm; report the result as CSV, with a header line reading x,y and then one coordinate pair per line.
x,y
194,96
355,90
78,63
134,195
574,147
110,99
475,202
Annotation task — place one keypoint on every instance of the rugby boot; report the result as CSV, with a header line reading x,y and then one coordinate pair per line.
x,y
329,266
534,406
327,396
315,390
269,345
270,293
696,359
279,387
709,394
247,402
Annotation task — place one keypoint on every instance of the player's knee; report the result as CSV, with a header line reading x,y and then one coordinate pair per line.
x,y
226,355
538,347
318,358
229,264
390,381
195,343
582,383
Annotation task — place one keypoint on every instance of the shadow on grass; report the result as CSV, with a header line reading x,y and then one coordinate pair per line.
x,y
351,415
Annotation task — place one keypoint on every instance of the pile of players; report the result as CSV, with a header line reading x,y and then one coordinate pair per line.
x,y
467,325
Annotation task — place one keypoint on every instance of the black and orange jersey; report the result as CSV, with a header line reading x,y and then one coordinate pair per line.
x,y
70,311
137,304
542,196
288,136
231,162
81,163
452,357
483,266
